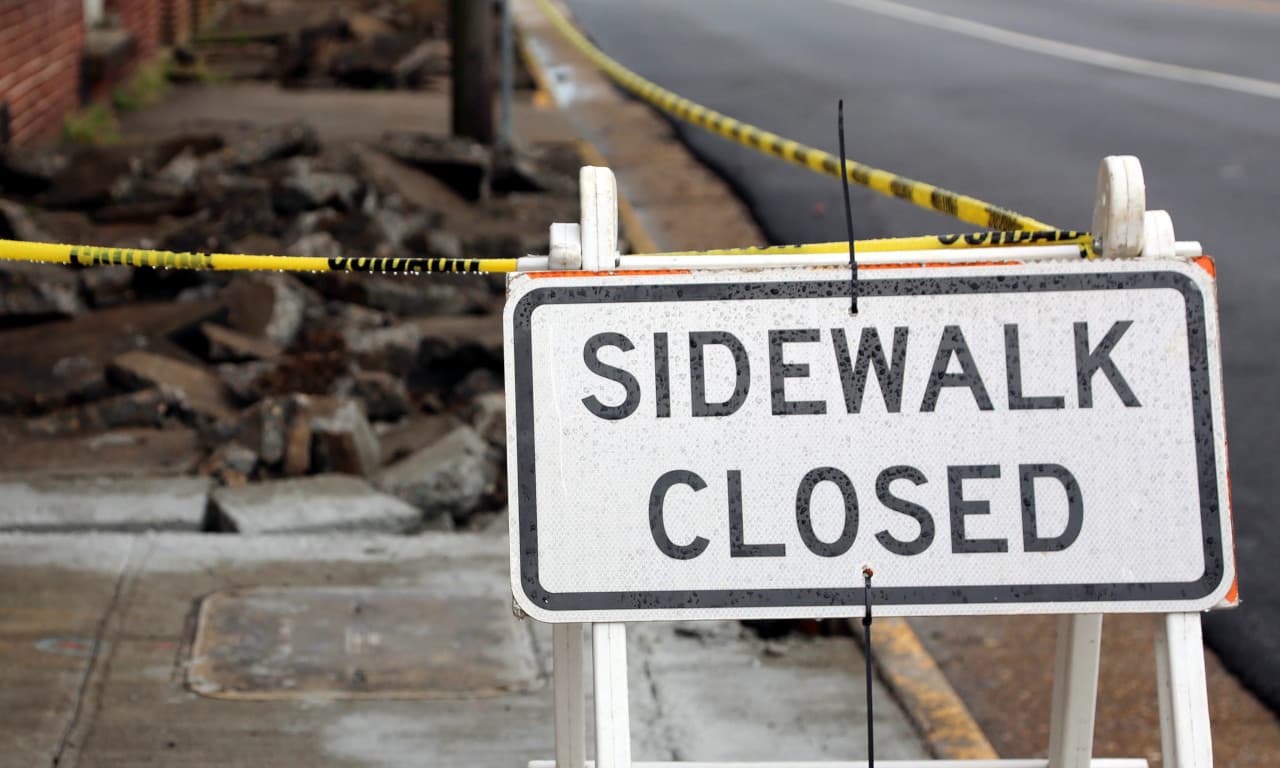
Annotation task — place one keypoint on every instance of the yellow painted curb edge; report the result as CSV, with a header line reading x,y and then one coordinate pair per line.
x,y
922,689
637,234
542,97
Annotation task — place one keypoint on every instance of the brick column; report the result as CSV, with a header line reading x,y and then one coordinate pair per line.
x,y
142,19
176,21
40,49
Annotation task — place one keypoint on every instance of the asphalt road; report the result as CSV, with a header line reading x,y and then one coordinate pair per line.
x,y
1006,114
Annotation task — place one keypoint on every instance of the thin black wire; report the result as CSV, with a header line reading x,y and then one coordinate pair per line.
x,y
866,633
848,212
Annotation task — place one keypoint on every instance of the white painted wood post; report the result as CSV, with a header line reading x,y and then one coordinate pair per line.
x,y
1119,207
1075,690
1183,691
599,238
613,715
598,193
569,694
1158,240
566,247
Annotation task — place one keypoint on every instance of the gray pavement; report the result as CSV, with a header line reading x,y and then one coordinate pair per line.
x,y
336,114
1023,129
317,504
65,505
367,651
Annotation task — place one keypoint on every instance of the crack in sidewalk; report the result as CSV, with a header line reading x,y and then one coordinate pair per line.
x,y
89,692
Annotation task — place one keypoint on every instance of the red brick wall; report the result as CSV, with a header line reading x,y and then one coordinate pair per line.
x,y
142,19
177,21
40,47
202,10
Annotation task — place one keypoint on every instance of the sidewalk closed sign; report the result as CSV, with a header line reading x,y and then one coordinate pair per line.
x,y
1000,439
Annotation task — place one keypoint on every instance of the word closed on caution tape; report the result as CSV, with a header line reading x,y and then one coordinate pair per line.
x,y
989,439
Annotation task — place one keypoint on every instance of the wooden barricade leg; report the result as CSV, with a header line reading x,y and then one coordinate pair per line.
x,y
613,716
570,695
1075,690
1184,694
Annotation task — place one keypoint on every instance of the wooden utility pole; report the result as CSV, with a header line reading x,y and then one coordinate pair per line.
x,y
471,59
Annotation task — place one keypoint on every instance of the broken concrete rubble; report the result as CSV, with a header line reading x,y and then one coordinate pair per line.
x,y
489,417
343,442
46,366
267,306
413,434
92,177
463,164
447,480
17,224
194,388
428,59
279,429
317,244
181,172
244,379
275,143
28,292
384,397
393,349
29,171
170,451
232,463
435,351
297,447
226,345
145,408
403,295
312,189
307,505
103,504
393,45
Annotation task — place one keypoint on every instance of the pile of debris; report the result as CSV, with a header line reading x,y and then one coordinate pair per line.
x,y
327,388
368,44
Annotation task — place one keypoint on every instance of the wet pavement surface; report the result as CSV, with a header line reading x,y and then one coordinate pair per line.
x,y
183,649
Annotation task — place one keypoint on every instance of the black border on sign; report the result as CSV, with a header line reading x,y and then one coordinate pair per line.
x,y
1202,418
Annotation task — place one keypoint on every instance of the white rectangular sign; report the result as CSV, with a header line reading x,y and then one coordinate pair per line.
x,y
989,439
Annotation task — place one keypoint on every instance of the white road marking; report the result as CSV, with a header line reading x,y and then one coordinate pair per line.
x,y
1267,89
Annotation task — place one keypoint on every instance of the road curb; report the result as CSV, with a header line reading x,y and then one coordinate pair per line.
x,y
922,689
639,237
542,96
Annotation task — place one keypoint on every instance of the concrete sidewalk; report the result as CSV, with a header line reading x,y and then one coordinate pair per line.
x,y
381,651
674,199
337,114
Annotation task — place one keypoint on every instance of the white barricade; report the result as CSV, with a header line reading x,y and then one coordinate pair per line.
x,y
1039,437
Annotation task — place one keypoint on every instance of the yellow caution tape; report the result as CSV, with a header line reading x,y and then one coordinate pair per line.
x,y
922,243
87,256
963,207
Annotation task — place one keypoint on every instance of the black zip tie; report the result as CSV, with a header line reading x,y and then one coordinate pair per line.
x,y
866,632
848,212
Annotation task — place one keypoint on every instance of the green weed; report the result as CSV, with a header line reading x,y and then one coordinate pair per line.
x,y
96,124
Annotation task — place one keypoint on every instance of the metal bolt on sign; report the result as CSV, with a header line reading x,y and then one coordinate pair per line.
x,y
994,436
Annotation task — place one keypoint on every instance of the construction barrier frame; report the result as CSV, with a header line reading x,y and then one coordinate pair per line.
x,y
1125,229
